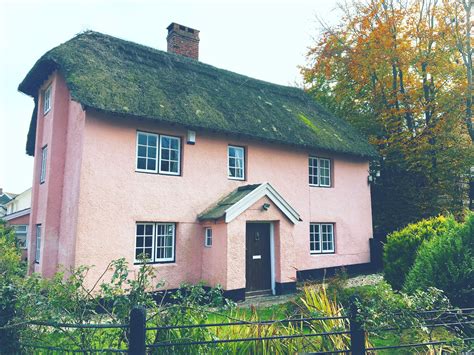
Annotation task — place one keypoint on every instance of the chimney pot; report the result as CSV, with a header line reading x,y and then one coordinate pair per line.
x,y
183,40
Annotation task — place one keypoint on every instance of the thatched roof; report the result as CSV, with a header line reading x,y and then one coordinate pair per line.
x,y
120,77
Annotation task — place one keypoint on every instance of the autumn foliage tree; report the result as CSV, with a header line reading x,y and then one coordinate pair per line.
x,y
394,70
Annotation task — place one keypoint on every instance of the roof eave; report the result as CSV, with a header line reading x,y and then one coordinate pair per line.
x,y
88,106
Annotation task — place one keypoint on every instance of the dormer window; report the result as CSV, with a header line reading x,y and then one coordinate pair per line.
x,y
47,100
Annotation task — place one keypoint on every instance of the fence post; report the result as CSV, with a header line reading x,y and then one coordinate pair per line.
x,y
357,332
137,331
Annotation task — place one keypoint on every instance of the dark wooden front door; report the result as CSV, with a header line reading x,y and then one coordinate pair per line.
x,y
258,272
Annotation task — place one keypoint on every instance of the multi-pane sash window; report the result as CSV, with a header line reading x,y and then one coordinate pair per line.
x,y
44,156
169,155
38,243
158,153
319,172
155,242
47,100
236,162
321,238
21,233
208,237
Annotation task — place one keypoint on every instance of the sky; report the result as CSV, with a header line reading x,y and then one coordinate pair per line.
x,y
264,39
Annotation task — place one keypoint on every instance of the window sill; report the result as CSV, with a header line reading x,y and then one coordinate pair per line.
x,y
322,253
155,263
326,187
237,179
156,173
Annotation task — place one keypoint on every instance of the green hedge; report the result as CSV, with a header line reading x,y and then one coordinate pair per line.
x,y
401,247
447,263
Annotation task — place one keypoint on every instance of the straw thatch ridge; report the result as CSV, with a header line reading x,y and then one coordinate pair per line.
x,y
120,77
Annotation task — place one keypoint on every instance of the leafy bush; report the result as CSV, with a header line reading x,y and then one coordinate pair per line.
x,y
401,247
447,262
11,273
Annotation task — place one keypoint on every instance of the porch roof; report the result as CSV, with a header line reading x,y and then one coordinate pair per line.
x,y
242,198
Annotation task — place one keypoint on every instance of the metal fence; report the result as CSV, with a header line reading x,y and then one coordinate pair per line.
x,y
137,331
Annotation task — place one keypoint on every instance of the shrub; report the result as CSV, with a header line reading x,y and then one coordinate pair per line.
x,y
11,273
447,262
401,247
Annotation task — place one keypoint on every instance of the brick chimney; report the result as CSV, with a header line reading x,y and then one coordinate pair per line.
x,y
183,40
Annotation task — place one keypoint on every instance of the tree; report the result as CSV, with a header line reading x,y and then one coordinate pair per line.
x,y
458,18
392,69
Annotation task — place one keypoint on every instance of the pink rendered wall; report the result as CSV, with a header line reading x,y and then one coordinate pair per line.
x,y
214,258
48,201
113,197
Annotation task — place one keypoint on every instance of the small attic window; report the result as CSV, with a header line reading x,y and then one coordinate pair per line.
x,y
47,100
182,28
190,30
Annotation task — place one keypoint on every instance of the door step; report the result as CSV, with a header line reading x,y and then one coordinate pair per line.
x,y
258,293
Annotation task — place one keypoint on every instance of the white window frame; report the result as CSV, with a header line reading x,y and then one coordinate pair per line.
x,y
47,100
38,244
146,158
318,171
16,227
158,158
44,158
208,237
320,241
228,162
179,156
154,259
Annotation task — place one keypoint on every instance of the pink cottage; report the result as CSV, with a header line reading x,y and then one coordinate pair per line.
x,y
208,174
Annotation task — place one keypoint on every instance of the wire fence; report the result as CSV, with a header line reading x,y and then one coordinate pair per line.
x,y
153,339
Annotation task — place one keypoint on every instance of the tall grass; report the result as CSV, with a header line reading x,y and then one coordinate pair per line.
x,y
314,302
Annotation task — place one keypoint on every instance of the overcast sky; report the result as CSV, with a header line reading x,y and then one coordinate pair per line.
x,y
264,39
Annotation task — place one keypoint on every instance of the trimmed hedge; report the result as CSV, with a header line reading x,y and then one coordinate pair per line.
x,y
447,263
400,250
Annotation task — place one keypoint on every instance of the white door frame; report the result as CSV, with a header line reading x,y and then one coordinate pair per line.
x,y
272,255
272,252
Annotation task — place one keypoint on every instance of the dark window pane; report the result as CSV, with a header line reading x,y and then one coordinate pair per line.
x,y
151,164
148,242
141,164
174,167
165,166
141,151
149,229
174,143
140,229
165,142
141,138
165,154
152,140
174,155
151,152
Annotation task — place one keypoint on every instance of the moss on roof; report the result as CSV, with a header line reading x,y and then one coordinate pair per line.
x,y
218,211
125,78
